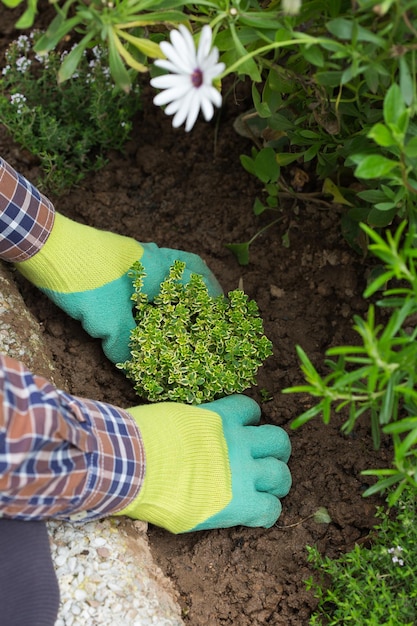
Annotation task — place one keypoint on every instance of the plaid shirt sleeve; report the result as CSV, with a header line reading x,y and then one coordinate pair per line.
x,y
26,216
62,456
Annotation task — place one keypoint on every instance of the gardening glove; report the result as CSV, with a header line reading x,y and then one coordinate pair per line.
x,y
85,272
210,466
175,465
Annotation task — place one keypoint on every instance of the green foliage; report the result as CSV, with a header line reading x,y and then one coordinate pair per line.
x,y
338,92
393,167
319,75
378,376
376,586
120,27
70,126
190,347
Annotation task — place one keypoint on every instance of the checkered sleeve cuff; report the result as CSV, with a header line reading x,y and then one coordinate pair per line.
x,y
26,216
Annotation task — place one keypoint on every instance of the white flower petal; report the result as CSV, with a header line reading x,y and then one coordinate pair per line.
x,y
167,65
210,75
187,44
192,117
180,117
183,112
166,81
212,94
207,109
180,45
204,44
216,70
174,106
163,97
210,60
193,109
182,64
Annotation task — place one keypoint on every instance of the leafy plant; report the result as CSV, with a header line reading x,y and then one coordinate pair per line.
x,y
376,585
378,376
323,104
120,27
387,165
393,164
69,126
190,347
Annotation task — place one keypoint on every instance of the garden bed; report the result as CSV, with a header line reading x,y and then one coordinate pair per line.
x,y
189,191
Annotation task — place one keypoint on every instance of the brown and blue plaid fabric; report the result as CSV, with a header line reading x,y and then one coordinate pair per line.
x,y
62,456
26,216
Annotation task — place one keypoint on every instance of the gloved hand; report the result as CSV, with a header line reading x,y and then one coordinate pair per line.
x,y
84,271
210,466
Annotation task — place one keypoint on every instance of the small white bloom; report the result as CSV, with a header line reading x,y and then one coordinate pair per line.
x,y
189,86
395,555
17,98
23,64
23,43
291,7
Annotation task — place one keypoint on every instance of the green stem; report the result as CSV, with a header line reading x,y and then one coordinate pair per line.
x,y
303,40
263,229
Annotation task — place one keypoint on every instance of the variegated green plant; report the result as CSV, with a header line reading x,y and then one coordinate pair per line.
x,y
191,347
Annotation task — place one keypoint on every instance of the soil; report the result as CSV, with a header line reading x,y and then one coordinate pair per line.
x,y
188,191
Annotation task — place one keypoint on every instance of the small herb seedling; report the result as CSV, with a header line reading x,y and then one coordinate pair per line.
x,y
190,347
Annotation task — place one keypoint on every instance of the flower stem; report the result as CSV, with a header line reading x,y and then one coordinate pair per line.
x,y
304,39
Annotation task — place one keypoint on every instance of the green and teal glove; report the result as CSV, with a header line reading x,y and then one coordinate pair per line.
x,y
84,271
210,466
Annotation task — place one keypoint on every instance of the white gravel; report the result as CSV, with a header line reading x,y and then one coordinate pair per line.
x,y
107,577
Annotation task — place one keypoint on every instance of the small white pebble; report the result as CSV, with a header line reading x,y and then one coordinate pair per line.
x,y
80,595
60,560
72,564
98,542
76,610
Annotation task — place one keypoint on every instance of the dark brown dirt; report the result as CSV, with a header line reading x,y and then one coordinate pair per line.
x,y
189,191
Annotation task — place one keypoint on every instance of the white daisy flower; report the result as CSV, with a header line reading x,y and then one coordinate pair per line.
x,y
189,86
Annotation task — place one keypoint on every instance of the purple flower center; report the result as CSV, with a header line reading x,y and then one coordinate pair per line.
x,y
197,78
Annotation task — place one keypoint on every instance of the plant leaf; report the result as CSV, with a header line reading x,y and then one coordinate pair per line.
x,y
374,166
333,190
394,105
241,251
321,516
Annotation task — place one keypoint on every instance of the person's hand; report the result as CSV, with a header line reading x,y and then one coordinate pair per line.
x,y
85,272
210,466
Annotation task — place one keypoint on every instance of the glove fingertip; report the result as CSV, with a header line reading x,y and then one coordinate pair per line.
x,y
285,482
237,407
271,509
